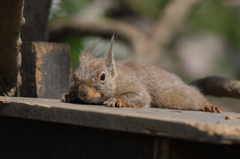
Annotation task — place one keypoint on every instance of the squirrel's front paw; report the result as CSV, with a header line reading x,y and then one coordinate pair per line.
x,y
212,108
118,102
68,98
64,97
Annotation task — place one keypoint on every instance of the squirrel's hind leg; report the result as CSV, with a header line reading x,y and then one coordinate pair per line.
x,y
211,108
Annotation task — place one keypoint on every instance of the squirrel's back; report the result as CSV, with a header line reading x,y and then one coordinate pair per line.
x,y
165,89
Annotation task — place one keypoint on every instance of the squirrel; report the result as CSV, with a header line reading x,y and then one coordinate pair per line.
x,y
131,84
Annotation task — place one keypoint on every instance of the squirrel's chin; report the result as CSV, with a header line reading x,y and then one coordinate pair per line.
x,y
94,101
90,100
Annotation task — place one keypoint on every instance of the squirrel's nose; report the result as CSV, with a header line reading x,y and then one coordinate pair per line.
x,y
83,93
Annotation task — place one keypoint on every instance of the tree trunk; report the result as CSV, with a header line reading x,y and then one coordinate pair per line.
x,y
11,21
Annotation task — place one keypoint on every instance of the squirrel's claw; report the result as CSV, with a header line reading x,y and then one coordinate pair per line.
x,y
63,97
212,108
116,102
119,104
111,102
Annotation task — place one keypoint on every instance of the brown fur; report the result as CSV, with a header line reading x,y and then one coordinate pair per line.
x,y
132,84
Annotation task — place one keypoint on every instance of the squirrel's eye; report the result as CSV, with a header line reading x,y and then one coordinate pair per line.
x,y
102,78
93,79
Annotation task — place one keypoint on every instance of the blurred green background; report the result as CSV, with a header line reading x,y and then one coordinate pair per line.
x,y
216,17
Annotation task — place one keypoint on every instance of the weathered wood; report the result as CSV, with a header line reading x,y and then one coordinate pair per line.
x,y
187,125
11,20
46,69
23,138
36,14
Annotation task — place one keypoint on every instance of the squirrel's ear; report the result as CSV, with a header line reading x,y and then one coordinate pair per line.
x,y
110,63
86,54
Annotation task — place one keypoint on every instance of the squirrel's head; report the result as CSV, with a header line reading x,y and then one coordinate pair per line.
x,y
95,77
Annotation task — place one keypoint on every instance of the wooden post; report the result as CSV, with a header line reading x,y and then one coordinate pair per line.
x,y
46,69
36,14
11,20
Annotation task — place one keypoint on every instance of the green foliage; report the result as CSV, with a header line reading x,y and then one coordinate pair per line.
x,y
71,6
75,43
146,8
212,15
68,7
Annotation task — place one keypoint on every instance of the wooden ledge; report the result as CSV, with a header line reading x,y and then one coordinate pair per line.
x,y
189,125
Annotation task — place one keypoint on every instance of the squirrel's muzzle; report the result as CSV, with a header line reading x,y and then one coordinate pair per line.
x,y
87,93
82,90
83,93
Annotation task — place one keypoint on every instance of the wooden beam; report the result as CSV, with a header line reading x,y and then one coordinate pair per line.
x,y
186,125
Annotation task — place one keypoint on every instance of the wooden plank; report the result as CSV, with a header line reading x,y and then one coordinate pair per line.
x,y
187,125
46,69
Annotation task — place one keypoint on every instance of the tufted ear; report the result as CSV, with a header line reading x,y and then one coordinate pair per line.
x,y
109,60
87,54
